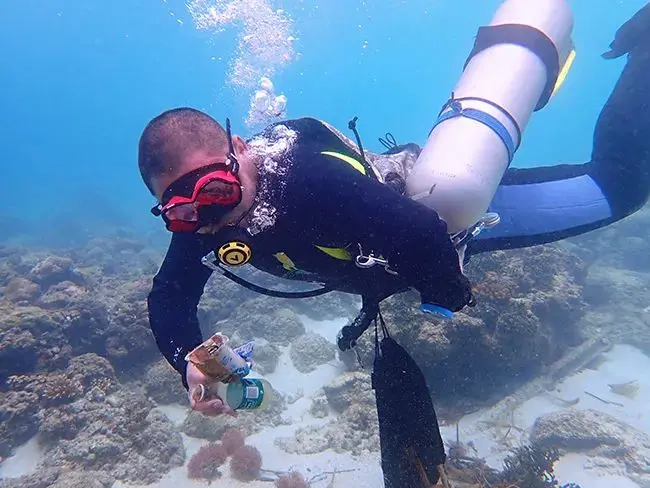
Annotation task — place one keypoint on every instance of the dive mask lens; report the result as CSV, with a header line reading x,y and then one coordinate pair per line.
x,y
184,211
217,191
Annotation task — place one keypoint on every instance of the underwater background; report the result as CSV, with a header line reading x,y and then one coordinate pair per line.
x,y
80,80
85,397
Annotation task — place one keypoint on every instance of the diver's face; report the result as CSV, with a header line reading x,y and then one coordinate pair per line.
x,y
206,191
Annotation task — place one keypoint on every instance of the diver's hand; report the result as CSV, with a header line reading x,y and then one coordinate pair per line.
x,y
633,33
201,396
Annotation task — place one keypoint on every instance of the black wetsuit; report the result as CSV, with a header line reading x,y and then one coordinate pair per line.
x,y
322,201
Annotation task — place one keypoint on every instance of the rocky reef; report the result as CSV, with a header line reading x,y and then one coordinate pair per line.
x,y
354,428
608,441
529,305
79,368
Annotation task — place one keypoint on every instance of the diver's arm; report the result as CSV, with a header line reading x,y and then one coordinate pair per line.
x,y
339,203
541,205
174,298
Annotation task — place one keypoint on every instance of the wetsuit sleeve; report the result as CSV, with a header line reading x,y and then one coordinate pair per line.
x,y
174,298
338,201
546,204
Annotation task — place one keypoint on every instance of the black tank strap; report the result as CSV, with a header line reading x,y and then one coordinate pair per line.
x,y
524,36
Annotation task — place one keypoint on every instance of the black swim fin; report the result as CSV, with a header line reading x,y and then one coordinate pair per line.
x,y
632,34
411,445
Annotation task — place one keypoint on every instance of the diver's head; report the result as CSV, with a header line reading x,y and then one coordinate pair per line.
x,y
202,177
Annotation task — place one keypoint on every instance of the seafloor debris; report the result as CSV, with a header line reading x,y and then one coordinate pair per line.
x,y
529,466
628,389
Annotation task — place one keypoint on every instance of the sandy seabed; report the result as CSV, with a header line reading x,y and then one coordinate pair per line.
x,y
622,363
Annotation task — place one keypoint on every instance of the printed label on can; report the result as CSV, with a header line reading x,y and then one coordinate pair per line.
x,y
253,390
245,350
230,360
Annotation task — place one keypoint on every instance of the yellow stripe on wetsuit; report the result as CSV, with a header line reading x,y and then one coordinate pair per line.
x,y
339,252
348,159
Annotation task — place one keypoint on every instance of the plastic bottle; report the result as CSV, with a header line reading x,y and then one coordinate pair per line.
x,y
247,394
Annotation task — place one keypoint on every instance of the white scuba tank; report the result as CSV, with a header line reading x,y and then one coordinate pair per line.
x,y
463,160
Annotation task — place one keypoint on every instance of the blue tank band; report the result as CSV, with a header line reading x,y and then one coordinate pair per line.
x,y
457,110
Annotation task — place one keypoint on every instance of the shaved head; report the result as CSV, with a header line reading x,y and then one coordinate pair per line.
x,y
171,138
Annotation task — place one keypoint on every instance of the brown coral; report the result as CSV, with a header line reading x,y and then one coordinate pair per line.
x,y
52,389
291,480
206,462
22,290
232,439
246,463
494,287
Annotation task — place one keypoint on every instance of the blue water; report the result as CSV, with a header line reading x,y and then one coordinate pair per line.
x,y
79,80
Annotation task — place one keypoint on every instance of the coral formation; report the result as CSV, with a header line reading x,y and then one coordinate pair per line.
x,y
75,348
207,461
57,478
356,427
162,384
232,439
52,389
291,480
279,326
267,356
22,291
529,305
311,350
210,428
19,419
246,463
121,433
529,466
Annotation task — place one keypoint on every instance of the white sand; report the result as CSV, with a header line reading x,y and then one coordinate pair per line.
x,y
23,461
580,469
623,363
492,440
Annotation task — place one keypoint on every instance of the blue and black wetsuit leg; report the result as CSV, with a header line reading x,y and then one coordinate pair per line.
x,y
547,204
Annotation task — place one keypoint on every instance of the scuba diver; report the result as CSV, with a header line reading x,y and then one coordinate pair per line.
x,y
303,202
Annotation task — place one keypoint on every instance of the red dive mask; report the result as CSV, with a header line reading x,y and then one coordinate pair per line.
x,y
202,196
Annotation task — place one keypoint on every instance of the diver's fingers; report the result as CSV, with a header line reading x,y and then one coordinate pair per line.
x,y
218,407
213,407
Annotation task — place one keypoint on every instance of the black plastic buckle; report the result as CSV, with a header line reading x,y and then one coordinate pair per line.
x,y
348,336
